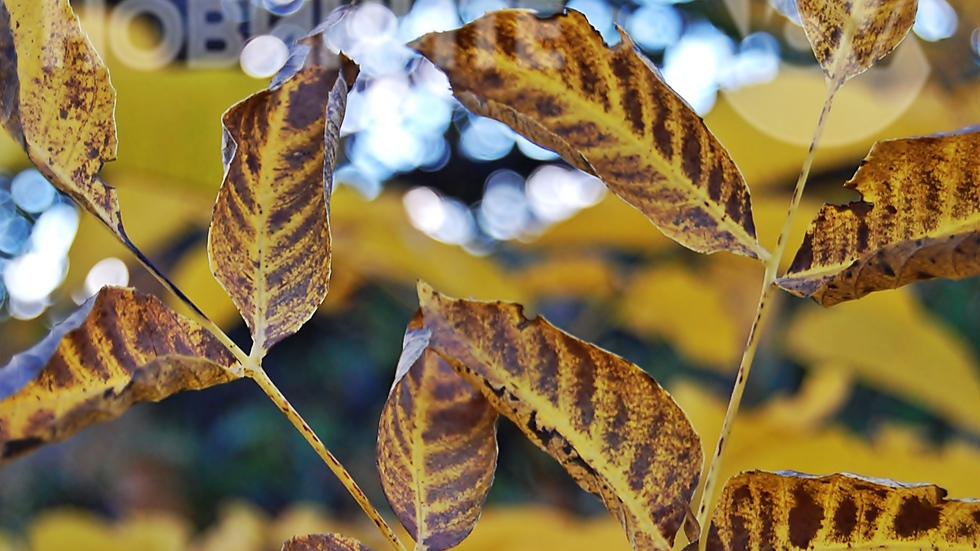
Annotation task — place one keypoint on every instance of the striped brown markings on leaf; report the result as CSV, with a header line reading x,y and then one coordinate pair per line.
x,y
323,542
437,447
269,241
605,111
120,348
760,510
918,218
848,37
612,427
58,102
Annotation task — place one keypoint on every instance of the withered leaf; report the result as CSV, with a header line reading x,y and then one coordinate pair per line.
x,y
606,111
323,542
848,37
120,348
269,241
918,218
437,447
760,510
57,102
610,425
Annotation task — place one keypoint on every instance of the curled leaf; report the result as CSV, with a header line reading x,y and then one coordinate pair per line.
x,y
918,218
269,241
323,542
610,425
437,448
607,112
787,510
57,102
848,37
120,348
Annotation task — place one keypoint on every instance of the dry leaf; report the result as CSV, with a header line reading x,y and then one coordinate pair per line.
x,y
324,542
787,510
848,37
269,241
609,424
57,102
606,111
918,218
437,447
118,349
893,344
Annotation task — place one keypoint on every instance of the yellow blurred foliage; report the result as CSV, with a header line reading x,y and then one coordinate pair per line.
x,y
791,433
75,530
682,307
568,275
888,340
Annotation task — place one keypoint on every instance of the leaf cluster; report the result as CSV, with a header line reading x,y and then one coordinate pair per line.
x,y
464,363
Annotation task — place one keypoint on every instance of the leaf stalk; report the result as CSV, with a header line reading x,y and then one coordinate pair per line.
x,y
710,481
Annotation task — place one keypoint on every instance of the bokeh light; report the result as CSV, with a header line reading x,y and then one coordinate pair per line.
x,y
31,191
935,20
108,271
263,56
654,27
282,7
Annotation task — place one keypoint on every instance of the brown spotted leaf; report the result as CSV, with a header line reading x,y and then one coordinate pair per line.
x,y
120,348
323,542
918,218
437,447
269,241
849,36
610,425
606,111
57,102
760,510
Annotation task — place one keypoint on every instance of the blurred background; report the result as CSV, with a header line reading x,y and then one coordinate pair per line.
x,y
888,386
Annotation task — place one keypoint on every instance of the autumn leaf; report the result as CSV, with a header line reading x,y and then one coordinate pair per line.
x,y
787,510
324,542
609,424
57,102
437,447
120,348
606,111
269,240
848,37
918,218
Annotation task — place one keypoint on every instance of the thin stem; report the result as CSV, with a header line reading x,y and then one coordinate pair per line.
x,y
259,376
710,481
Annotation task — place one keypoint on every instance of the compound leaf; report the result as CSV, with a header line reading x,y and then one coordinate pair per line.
x,y
120,348
57,102
848,37
607,112
787,510
437,447
610,425
918,218
269,240
323,542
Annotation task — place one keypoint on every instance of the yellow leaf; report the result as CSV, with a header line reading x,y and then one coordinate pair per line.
x,y
324,542
918,218
302,518
608,423
437,447
848,37
58,102
685,309
241,527
787,510
568,275
119,348
607,112
895,345
269,241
